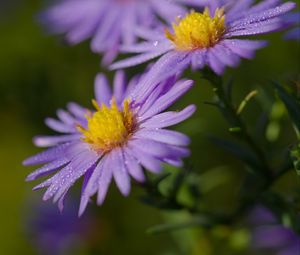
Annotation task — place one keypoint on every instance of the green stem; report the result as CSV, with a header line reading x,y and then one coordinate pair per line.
x,y
234,119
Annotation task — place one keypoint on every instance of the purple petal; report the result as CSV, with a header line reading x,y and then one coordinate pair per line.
x,y
167,119
102,90
139,47
164,136
291,249
168,99
77,110
149,162
76,148
110,55
47,169
156,94
271,236
294,34
264,15
256,29
47,155
104,179
128,24
107,26
244,48
174,162
59,126
92,185
139,59
239,7
168,65
65,117
213,61
66,177
119,87
48,141
199,59
133,167
120,173
225,55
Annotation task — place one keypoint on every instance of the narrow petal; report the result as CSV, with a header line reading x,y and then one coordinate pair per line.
x,y
164,136
293,34
47,169
109,21
92,185
149,162
133,167
216,65
119,86
139,59
102,90
168,65
263,15
105,179
167,119
244,48
48,141
66,177
153,148
226,56
168,99
199,59
120,173
47,155
77,110
65,117
59,126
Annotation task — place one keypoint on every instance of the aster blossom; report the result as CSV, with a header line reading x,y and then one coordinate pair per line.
x,y
212,37
54,233
109,22
125,133
294,20
269,237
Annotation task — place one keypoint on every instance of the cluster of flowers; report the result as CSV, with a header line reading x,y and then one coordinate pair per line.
x,y
270,237
127,130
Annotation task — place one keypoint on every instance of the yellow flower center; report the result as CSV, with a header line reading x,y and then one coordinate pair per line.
x,y
109,127
198,30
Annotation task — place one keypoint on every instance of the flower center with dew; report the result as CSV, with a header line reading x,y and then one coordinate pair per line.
x,y
198,30
109,127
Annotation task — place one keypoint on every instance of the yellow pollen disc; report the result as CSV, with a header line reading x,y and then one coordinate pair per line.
x,y
108,127
198,30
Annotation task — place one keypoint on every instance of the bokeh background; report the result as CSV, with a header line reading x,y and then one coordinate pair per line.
x,y
40,73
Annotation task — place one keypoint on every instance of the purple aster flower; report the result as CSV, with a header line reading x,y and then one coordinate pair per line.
x,y
125,133
109,22
269,236
55,233
294,20
212,37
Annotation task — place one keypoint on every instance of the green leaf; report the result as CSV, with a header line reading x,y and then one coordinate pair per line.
x,y
291,104
295,155
169,227
246,100
239,151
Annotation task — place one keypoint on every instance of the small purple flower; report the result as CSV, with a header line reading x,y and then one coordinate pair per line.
x,y
210,38
55,233
269,236
125,133
109,22
294,20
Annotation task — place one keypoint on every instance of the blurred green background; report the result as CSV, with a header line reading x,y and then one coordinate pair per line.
x,y
39,73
